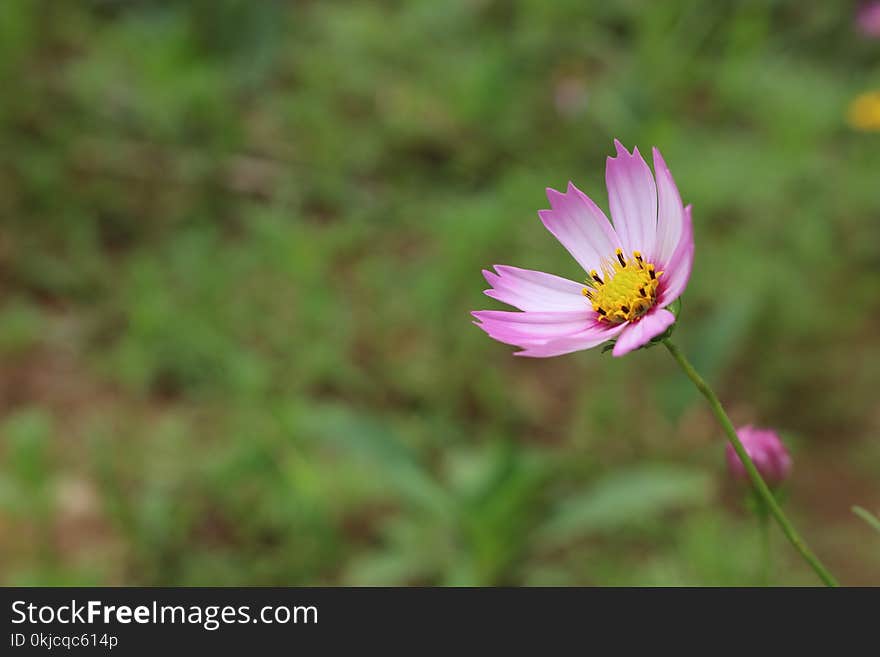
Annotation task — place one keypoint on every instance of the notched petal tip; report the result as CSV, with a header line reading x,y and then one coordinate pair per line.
x,y
658,158
548,218
632,199
624,155
491,277
560,201
553,194
620,148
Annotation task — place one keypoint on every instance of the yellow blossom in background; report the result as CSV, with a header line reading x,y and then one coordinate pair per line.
x,y
864,112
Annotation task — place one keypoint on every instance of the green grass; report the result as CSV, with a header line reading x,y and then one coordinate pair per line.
x,y
238,247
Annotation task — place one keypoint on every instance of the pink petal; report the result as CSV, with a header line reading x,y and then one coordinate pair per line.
x,y
678,270
578,342
632,196
580,226
527,289
641,332
670,215
520,327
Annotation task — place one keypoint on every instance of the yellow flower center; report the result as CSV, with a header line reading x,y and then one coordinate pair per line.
x,y
625,290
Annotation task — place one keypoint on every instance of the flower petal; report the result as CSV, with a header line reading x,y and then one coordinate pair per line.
x,y
580,226
641,332
678,269
527,289
518,328
632,196
578,342
670,214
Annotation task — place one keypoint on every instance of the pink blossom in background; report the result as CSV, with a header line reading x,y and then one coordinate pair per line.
x,y
570,96
766,450
633,269
868,19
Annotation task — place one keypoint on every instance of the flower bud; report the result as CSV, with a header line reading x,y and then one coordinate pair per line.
x,y
868,19
766,450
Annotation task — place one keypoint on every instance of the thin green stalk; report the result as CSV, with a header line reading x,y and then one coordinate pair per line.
x,y
760,487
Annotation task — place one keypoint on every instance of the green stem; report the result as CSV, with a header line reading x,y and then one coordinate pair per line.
x,y
760,487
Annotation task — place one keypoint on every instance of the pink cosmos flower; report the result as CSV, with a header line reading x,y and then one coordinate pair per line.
x,y
868,19
766,450
634,269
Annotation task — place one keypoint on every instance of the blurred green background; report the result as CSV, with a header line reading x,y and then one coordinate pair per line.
x,y
239,242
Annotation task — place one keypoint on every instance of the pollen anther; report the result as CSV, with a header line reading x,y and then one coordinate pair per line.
x,y
623,293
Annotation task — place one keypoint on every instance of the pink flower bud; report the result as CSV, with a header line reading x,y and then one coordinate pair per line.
x,y
766,450
868,19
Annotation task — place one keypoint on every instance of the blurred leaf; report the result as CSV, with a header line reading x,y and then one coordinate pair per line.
x,y
360,436
872,520
27,434
21,325
626,498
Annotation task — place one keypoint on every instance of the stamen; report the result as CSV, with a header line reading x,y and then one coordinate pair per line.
x,y
627,292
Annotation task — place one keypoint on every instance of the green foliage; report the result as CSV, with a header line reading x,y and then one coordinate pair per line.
x,y
868,517
627,498
239,242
